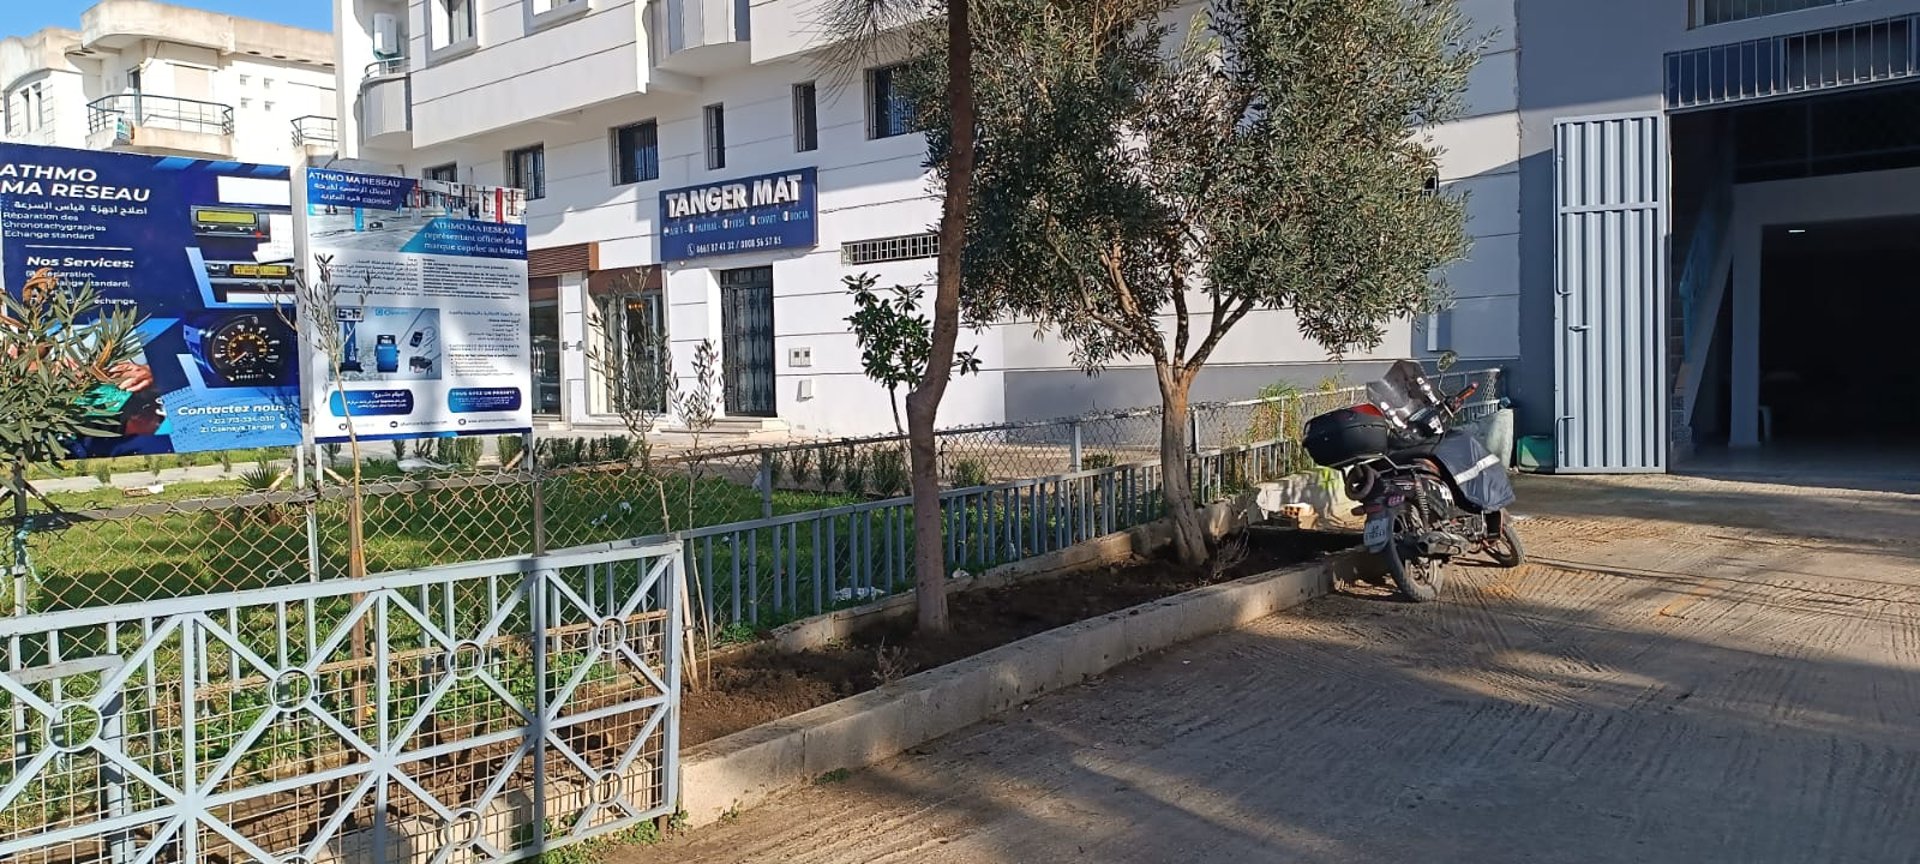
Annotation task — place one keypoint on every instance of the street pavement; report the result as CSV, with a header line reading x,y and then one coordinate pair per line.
x,y
1689,670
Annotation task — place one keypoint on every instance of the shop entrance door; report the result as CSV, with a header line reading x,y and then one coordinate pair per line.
x,y
746,341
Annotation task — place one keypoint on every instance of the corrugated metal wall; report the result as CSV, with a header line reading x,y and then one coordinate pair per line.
x,y
1610,319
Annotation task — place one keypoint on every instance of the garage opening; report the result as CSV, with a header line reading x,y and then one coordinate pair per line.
x,y
1796,253
1839,332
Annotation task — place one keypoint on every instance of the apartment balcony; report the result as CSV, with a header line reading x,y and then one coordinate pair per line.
x,y
700,37
386,105
160,125
315,136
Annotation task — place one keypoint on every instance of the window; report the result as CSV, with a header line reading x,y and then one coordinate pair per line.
x,y
527,169
716,137
889,111
806,118
1707,12
244,79
245,103
454,23
542,7
886,249
448,173
636,153
268,105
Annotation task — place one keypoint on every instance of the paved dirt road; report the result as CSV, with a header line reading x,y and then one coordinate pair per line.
x,y
1690,671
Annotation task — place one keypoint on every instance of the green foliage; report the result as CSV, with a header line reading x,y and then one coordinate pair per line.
x,y
1096,461
968,473
837,775
103,472
856,472
259,478
63,355
332,452
458,452
895,339
800,464
399,450
889,468
833,460
510,448
1267,161
151,463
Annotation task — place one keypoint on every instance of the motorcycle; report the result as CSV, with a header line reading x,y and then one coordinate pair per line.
x,y
1430,491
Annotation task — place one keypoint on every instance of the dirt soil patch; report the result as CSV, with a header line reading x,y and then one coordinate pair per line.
x,y
747,690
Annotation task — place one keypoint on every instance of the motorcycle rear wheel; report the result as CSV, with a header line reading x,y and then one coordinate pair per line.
x,y
1507,550
1418,578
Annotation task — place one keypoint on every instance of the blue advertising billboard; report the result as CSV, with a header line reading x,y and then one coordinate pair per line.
x,y
770,211
202,251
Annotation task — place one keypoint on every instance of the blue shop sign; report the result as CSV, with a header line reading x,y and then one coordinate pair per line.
x,y
770,211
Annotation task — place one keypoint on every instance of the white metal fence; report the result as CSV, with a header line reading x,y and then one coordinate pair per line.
x,y
479,712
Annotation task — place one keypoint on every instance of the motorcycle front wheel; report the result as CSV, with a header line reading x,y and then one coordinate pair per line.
x,y
1419,578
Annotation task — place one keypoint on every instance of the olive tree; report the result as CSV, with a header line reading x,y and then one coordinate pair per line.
x,y
1141,189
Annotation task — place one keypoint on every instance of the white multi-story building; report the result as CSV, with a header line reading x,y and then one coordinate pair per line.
x,y
598,107
146,77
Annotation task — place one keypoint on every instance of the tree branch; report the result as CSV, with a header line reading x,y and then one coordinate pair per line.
x,y
1215,332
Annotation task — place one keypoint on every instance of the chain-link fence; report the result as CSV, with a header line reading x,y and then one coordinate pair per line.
x,y
1020,489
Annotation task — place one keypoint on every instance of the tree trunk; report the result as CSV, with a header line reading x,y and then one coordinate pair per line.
x,y
923,404
893,401
1190,544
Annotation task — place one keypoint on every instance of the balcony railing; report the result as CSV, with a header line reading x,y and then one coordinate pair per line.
x,y
315,129
127,110
386,68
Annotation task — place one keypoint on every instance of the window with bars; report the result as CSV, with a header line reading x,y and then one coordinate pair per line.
x,y
448,173
889,110
636,153
1709,12
806,118
905,248
716,115
527,169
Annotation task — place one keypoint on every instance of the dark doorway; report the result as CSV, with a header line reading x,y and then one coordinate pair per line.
x,y
746,341
545,324
1838,306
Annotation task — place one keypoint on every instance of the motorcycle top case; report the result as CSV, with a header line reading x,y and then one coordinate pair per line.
x,y
1337,438
1480,476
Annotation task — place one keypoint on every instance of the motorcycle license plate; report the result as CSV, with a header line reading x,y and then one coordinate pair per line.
x,y
1379,532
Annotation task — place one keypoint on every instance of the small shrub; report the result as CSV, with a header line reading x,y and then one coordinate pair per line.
x,y
332,452
619,448
856,472
259,478
399,450
776,466
225,458
460,452
151,463
103,472
833,460
968,473
800,464
889,471
1096,461
187,460
378,468
510,448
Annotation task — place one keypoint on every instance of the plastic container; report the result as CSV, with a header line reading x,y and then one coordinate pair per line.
x,y
1536,453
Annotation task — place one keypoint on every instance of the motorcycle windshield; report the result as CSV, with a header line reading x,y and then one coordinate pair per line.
x,y
1402,392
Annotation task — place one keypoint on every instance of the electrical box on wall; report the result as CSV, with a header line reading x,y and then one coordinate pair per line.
x,y
386,35
806,389
799,358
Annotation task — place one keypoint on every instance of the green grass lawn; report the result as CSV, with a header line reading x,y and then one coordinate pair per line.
x,y
91,560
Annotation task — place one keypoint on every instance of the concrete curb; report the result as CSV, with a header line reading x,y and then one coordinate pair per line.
x,y
747,768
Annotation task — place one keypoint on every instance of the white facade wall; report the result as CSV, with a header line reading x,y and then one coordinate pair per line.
x,y
565,85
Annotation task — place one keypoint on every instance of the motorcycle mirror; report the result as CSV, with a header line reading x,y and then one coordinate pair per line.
x,y
1447,360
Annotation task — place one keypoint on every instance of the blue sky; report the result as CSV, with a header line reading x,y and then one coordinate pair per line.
x,y
21,17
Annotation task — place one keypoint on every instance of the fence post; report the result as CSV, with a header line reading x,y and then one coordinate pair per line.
x,y
1074,465
532,459
309,451
1193,430
766,484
